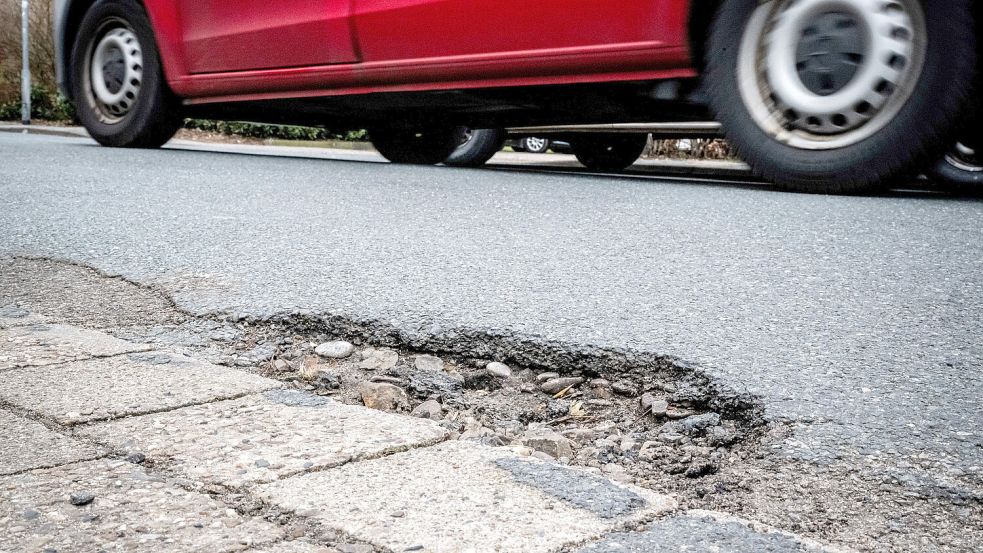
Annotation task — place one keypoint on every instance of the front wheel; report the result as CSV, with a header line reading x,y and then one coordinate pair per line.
x,y
117,79
415,146
839,96
609,152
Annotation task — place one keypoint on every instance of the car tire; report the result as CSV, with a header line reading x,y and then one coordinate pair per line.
x,y
887,120
536,145
475,146
421,146
609,152
126,102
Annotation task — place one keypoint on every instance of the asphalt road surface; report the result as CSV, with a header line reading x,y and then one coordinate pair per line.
x,y
858,319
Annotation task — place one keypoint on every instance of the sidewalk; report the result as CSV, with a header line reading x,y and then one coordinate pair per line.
x,y
115,445
364,152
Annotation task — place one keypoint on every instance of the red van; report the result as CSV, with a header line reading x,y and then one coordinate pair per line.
x,y
816,95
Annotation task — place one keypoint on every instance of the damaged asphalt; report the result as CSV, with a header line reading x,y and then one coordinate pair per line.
x,y
857,321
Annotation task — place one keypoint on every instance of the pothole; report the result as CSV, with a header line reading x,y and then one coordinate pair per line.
x,y
647,420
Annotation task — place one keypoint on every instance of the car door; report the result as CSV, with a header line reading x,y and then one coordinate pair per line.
x,y
424,29
239,35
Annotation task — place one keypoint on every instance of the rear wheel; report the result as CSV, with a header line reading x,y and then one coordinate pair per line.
x,y
961,169
536,145
118,81
475,146
609,152
421,146
838,96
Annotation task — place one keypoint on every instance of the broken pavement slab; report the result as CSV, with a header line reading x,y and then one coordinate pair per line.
x,y
461,496
263,437
30,445
296,546
705,532
131,511
43,344
11,316
132,384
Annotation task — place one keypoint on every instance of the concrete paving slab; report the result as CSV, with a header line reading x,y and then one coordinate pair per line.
x,y
131,511
30,445
463,497
41,344
11,316
263,437
703,532
133,384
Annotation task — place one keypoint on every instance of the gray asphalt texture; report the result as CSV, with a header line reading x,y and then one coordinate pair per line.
x,y
582,490
694,534
859,320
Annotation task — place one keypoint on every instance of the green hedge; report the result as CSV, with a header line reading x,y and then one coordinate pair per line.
x,y
281,132
45,104
48,105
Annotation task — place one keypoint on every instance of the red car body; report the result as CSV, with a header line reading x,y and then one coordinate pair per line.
x,y
214,50
815,94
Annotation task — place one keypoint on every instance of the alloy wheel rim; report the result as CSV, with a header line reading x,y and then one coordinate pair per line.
x,y
535,144
825,74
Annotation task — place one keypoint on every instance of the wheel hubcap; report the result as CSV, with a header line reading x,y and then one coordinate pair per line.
x,y
823,74
116,73
535,144
830,52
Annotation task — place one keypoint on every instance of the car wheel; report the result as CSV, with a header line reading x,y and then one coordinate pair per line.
x,y
961,169
475,146
423,146
838,96
609,152
536,145
117,79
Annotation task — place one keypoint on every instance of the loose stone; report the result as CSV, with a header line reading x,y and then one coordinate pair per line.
x,y
335,350
378,359
498,370
557,385
547,441
81,498
428,363
654,405
679,413
136,457
383,396
430,409
546,376
329,380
